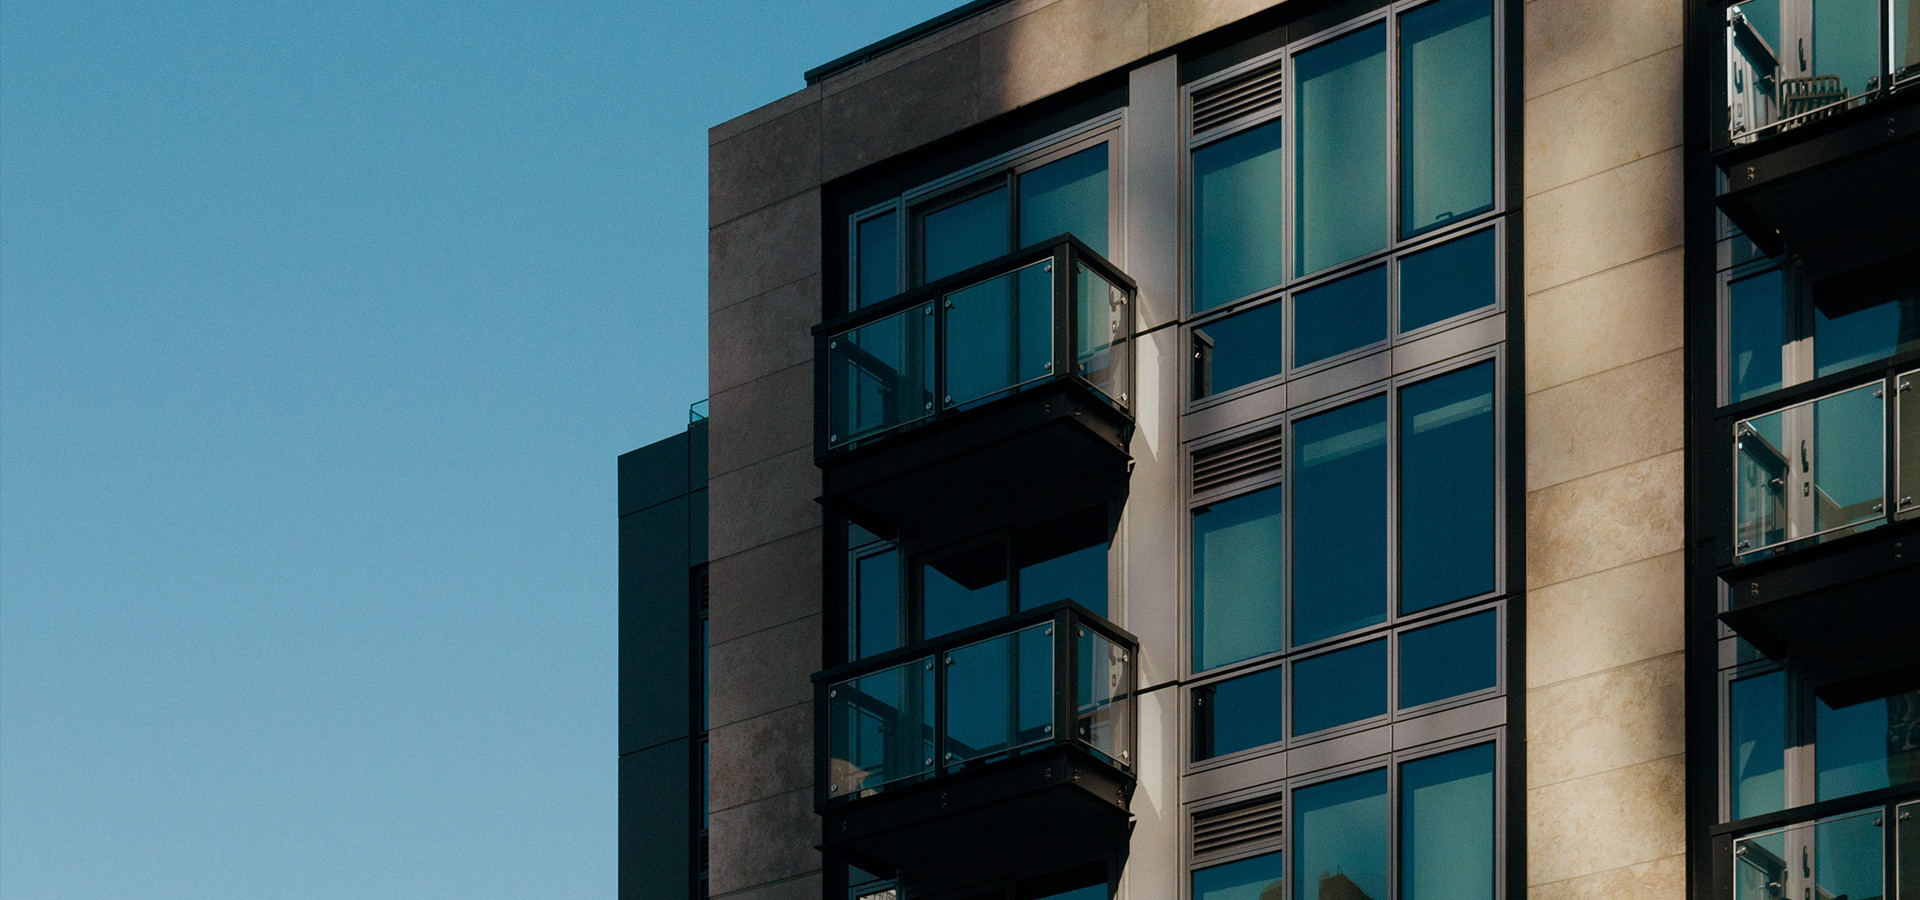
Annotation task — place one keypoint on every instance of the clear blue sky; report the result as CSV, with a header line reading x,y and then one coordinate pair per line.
x,y
321,325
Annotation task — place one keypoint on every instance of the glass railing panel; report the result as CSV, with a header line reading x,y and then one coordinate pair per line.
x,y
1103,711
1753,61
879,375
1793,61
999,333
1839,857
1908,441
1907,849
999,694
1101,325
1810,468
880,728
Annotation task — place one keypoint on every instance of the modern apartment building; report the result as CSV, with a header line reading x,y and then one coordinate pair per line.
x,y
1303,451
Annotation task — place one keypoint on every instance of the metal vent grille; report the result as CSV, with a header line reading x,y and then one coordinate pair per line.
x,y
1238,99
1220,466
1241,828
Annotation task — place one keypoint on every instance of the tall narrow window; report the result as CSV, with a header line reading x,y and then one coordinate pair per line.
x,y
1236,216
1237,579
1341,184
1447,497
1340,839
1447,825
1446,113
878,258
1067,197
1340,520
1757,744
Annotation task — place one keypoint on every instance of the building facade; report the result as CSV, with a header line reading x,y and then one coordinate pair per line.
x,y
1314,450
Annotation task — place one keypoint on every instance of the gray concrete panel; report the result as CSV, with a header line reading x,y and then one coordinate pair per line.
x,y
765,334
779,408
762,250
764,671
928,98
763,842
763,165
777,583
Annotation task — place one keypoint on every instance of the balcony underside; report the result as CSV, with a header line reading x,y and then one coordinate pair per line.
x,y
1848,610
1840,182
1048,439
1059,798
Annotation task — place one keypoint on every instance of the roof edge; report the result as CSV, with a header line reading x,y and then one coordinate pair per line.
x,y
882,46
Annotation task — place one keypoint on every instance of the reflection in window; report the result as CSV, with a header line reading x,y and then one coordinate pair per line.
x,y
1344,315
1236,579
1341,184
964,589
1455,657
879,259
1446,112
1866,315
1257,878
1445,281
1340,839
1756,335
1334,689
1237,350
1340,520
1065,559
1866,746
1757,744
999,333
1446,825
1236,216
1237,714
1067,197
962,235
1447,488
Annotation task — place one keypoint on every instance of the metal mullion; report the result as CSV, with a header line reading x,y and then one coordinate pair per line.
x,y
1060,338
1065,691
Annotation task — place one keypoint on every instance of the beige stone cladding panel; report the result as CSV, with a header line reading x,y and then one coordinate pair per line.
x,y
1606,821
1609,219
1054,48
1573,40
765,756
1611,119
906,107
763,842
1663,877
1605,721
763,165
1611,518
1605,620
1632,412
1171,21
772,246
1607,319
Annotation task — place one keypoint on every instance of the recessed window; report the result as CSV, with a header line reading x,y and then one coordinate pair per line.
x,y
1756,335
1446,113
1340,316
963,234
1238,350
1451,279
1757,744
1447,825
1447,476
877,249
1067,197
1238,714
966,588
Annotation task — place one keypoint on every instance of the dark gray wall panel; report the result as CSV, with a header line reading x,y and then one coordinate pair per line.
x,y
655,626
657,823
657,472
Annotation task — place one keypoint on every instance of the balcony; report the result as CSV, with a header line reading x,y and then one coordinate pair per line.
x,y
1845,855
1015,733
1804,475
1822,121
1006,381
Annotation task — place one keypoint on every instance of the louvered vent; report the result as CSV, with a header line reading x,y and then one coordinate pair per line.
x,y
1238,99
1240,828
1220,466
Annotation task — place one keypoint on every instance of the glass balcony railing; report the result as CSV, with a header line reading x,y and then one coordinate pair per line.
x,y
1055,675
1813,468
1793,61
1055,310
1837,857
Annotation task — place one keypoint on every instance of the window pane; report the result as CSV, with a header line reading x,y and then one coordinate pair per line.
x,y
1846,43
1854,336
1447,492
1237,350
1866,746
999,694
879,256
1065,559
1446,826
1446,112
1344,315
964,589
1849,462
1341,186
876,603
1237,714
1258,878
1067,197
1340,840
1756,333
1453,278
999,334
1237,575
1336,688
1455,657
965,234
879,375
1340,520
1757,744
1236,216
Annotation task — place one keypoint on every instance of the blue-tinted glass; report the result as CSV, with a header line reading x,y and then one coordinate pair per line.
x,y
1453,278
1846,43
1236,216
1067,197
1237,350
1446,826
1256,878
1756,331
1446,112
1065,559
1862,336
999,694
1237,714
1866,746
1090,892
879,257
1344,315
1757,742
1340,520
999,334
964,589
1237,576
965,234
1340,839
1336,688
1458,656
876,597
1446,488
1341,185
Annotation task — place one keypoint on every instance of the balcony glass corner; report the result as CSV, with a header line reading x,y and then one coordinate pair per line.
x,y
879,375
1907,437
880,728
1790,62
1810,469
1103,709
1101,319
